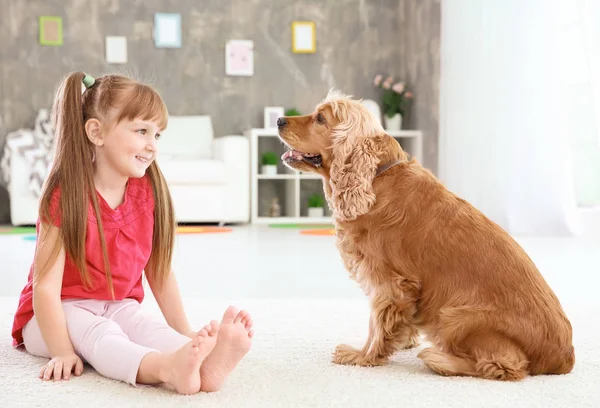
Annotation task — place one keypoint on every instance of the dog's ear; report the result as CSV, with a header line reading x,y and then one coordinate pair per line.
x,y
353,168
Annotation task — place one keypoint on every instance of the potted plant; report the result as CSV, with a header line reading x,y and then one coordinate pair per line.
x,y
395,101
269,163
316,206
292,112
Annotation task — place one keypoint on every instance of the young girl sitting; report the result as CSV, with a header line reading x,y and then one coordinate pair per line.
x,y
105,216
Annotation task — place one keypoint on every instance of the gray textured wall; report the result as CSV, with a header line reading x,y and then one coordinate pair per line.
x,y
356,39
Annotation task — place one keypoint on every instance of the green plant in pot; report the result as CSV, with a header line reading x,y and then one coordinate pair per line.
x,y
292,112
316,206
269,163
395,101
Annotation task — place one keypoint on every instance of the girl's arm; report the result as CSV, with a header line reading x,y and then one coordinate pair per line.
x,y
171,305
47,304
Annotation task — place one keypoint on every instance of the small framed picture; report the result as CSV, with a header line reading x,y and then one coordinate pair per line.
x,y
51,30
116,50
272,113
167,30
304,37
239,57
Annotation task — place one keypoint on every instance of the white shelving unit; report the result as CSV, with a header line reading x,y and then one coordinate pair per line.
x,y
411,141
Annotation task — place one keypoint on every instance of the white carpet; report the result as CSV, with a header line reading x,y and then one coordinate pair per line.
x,y
289,366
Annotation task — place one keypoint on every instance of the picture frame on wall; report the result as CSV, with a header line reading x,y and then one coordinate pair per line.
x,y
167,30
116,49
239,58
271,114
51,30
304,37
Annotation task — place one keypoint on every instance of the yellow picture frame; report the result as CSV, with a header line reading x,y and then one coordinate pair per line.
x,y
304,37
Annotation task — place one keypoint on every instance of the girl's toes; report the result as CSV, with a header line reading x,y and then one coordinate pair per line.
x,y
240,316
249,324
251,333
214,328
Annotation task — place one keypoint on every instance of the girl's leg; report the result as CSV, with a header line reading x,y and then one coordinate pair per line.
x,y
103,344
33,341
233,340
92,337
145,328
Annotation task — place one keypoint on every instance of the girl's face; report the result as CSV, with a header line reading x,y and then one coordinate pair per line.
x,y
129,147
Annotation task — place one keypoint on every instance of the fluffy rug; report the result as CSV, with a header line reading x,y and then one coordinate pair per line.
x,y
289,366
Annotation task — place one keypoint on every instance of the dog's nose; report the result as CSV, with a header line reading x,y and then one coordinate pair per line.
x,y
281,122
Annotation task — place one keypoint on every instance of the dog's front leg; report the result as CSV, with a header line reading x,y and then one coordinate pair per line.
x,y
391,327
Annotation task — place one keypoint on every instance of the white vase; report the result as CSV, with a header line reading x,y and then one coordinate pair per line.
x,y
316,212
269,169
393,123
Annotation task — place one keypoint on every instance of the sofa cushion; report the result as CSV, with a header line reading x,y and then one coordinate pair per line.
x,y
192,172
187,136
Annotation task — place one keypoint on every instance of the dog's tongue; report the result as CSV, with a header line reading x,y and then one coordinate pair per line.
x,y
291,153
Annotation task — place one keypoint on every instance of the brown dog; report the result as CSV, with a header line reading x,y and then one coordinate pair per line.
x,y
428,260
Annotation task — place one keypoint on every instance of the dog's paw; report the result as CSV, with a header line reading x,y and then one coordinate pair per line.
x,y
348,355
413,341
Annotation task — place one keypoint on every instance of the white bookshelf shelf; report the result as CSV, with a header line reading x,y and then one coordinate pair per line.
x,y
290,181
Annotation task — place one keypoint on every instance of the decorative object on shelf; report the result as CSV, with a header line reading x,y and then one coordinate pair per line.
x,y
316,206
275,210
393,123
116,50
292,112
167,30
304,37
51,30
395,101
271,114
239,58
269,164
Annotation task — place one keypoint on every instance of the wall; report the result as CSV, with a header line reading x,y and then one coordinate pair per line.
x,y
356,39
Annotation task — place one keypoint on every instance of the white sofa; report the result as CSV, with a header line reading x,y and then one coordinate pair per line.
x,y
209,178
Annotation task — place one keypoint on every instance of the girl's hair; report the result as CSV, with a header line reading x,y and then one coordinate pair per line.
x,y
110,98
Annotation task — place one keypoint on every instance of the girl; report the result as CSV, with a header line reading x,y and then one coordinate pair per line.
x,y
106,215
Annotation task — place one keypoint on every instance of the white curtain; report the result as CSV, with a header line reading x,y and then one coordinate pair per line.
x,y
581,67
504,137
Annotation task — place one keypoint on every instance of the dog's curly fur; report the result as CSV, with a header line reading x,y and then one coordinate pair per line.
x,y
429,261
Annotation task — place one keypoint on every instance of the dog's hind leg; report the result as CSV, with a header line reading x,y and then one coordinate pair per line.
x,y
487,355
497,357
447,364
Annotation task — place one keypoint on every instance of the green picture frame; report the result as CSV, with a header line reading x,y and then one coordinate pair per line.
x,y
51,30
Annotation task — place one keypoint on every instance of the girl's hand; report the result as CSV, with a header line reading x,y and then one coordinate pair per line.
x,y
61,367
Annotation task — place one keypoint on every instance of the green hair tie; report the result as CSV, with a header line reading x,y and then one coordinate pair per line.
x,y
88,81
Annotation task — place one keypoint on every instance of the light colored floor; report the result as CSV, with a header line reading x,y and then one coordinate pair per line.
x,y
304,304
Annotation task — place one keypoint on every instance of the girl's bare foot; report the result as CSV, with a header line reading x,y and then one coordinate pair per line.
x,y
233,342
183,366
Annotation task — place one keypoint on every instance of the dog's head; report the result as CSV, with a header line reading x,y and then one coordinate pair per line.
x,y
342,141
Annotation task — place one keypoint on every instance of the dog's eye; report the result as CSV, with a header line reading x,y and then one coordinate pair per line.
x,y
320,118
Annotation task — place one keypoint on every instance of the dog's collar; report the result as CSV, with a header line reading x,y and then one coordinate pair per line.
x,y
386,166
